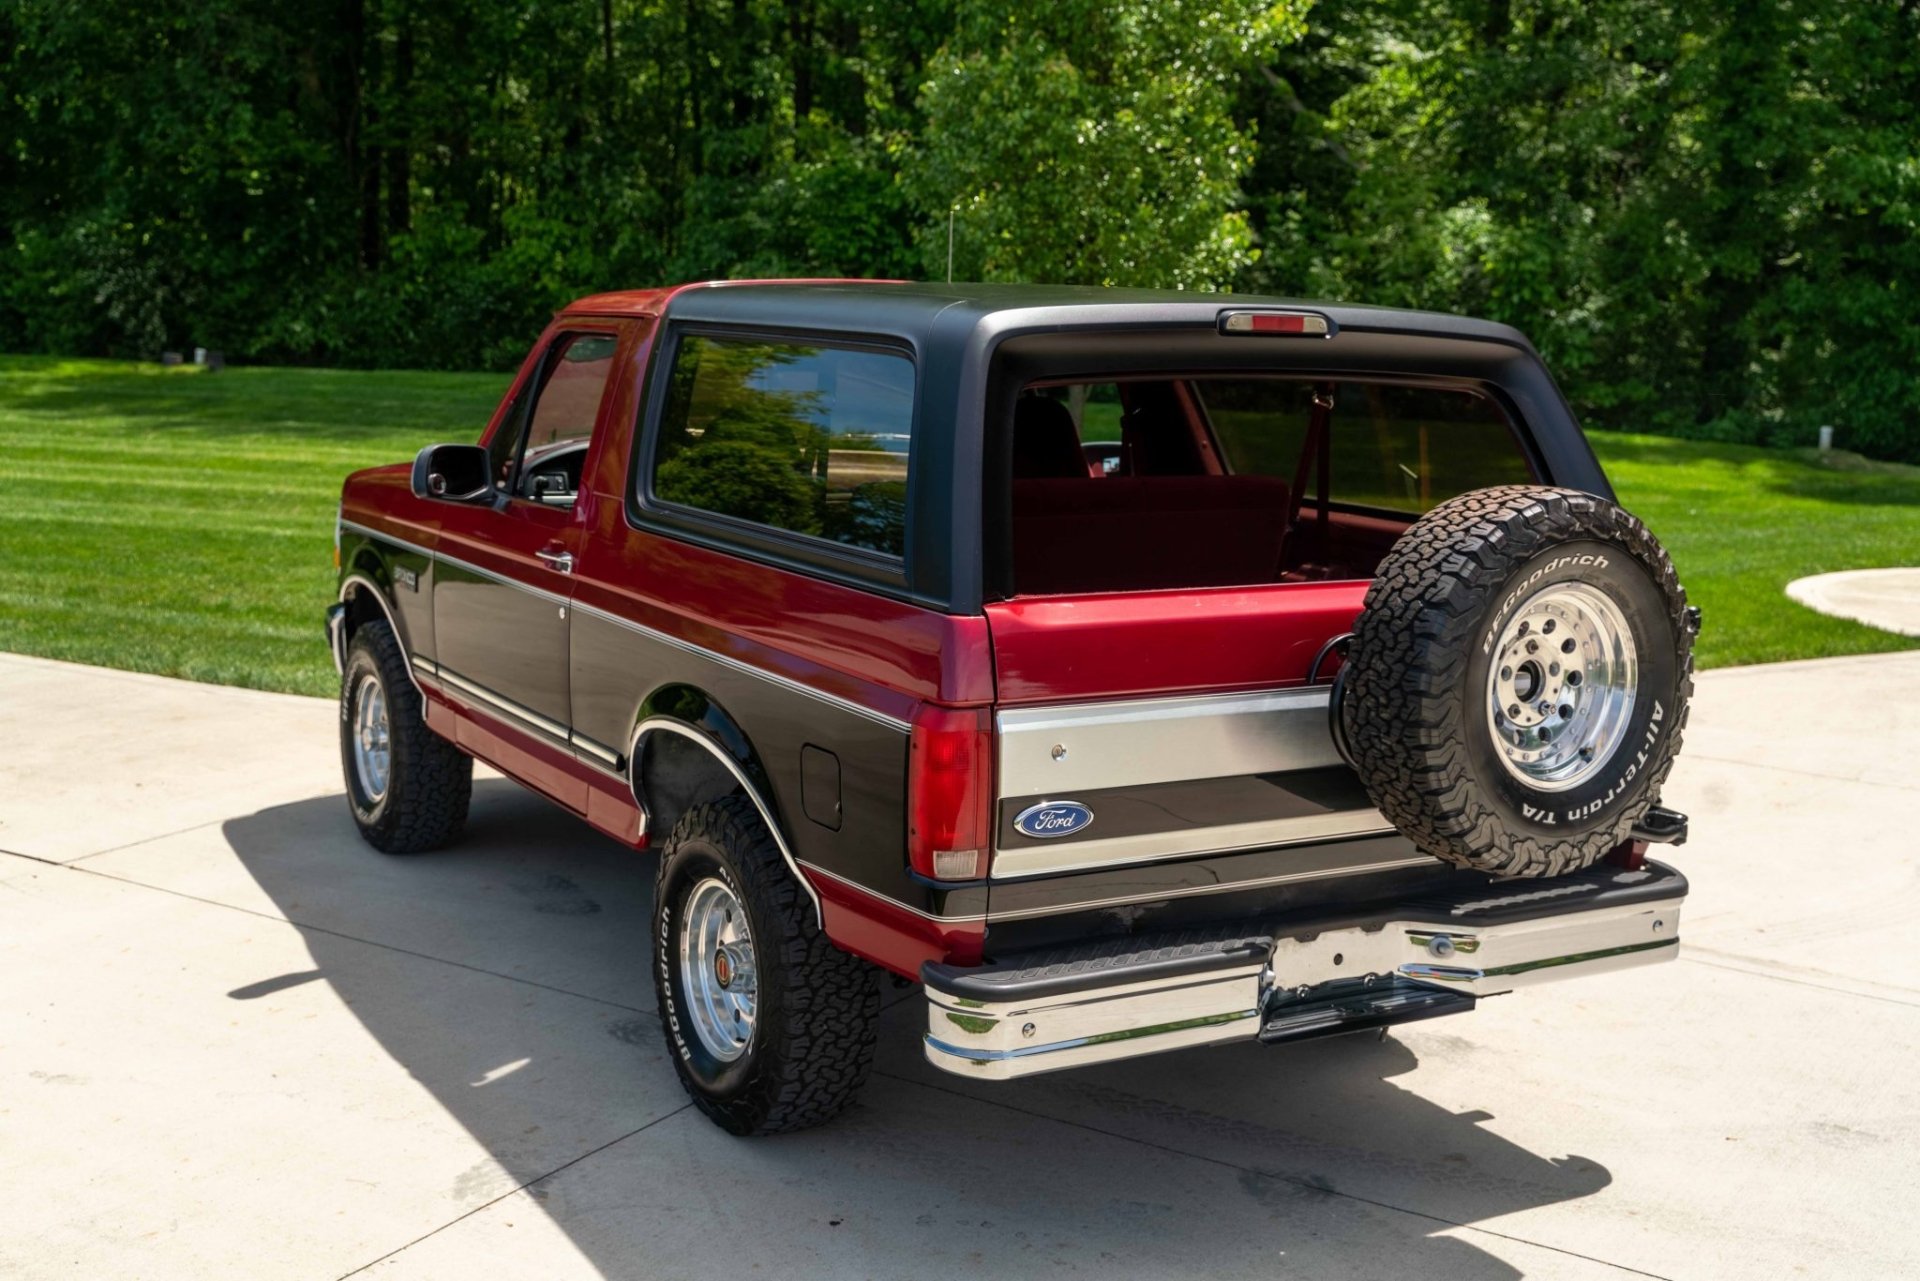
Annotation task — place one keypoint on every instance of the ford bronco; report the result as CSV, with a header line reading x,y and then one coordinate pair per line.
x,y
1133,670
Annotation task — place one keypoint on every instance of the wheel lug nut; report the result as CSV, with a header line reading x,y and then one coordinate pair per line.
x,y
1506,673
1553,669
1514,710
1533,647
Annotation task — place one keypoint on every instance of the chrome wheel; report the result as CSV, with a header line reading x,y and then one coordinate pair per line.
x,y
1561,689
372,746
717,963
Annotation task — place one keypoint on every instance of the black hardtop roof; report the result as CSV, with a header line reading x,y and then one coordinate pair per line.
x,y
976,346
910,309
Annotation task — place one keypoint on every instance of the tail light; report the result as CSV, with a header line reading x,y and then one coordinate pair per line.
x,y
950,793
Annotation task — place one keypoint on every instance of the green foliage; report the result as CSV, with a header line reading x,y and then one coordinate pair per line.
x,y
1094,143
1706,215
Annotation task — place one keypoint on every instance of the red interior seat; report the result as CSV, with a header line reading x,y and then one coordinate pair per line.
x,y
1138,533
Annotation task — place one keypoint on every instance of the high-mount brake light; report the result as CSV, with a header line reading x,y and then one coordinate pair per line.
x,y
950,793
1296,324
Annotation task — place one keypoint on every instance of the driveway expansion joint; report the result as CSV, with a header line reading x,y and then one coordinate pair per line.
x,y
512,1192
1753,967
355,938
34,858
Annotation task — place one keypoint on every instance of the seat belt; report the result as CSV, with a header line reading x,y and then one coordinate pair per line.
x,y
1323,417
1318,445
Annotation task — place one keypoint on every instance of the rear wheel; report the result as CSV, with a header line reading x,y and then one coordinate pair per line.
x,y
1518,680
770,1026
408,787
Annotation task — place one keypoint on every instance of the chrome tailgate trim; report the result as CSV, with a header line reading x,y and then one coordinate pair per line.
x,y
1162,740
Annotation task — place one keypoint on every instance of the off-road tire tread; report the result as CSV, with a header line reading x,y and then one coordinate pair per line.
x,y
814,1063
431,785
1411,647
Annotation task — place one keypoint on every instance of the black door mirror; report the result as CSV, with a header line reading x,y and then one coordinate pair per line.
x,y
453,473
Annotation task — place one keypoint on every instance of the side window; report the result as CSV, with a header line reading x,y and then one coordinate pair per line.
x,y
809,439
539,451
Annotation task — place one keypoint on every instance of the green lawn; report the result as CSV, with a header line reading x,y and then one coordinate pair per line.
x,y
175,521
180,522
1741,523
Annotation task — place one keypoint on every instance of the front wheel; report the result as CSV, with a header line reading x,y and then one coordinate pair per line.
x,y
770,1026
408,788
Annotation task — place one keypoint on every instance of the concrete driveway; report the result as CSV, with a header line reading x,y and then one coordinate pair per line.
x,y
235,1042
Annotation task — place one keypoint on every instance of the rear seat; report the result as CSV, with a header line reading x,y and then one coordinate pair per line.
x,y
1138,533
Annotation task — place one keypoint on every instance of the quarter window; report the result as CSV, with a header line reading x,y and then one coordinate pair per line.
x,y
810,439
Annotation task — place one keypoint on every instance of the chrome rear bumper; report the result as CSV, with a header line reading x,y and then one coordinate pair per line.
x,y
1299,978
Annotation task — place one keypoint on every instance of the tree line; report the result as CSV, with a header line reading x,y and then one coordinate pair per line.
x,y
1705,212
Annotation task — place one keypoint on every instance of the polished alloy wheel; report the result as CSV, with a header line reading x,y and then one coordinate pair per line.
x,y
372,747
716,958
1561,689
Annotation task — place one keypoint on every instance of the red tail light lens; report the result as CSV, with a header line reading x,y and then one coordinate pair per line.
x,y
950,793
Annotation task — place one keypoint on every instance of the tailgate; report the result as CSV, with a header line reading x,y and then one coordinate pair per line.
x,y
1152,745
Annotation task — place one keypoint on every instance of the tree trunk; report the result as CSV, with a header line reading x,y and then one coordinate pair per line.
x,y
400,153
742,62
800,43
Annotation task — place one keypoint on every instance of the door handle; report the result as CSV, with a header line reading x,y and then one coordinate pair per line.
x,y
560,562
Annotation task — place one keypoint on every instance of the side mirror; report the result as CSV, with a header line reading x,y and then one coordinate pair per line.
x,y
453,473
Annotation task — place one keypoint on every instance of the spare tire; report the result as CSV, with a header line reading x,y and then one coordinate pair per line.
x,y
1517,681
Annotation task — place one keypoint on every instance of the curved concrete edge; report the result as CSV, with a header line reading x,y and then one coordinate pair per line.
x,y
1885,598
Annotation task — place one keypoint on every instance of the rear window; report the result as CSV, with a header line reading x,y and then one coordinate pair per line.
x,y
809,439
1394,448
1236,481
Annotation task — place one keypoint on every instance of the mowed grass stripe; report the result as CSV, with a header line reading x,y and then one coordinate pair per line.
x,y
179,522
170,514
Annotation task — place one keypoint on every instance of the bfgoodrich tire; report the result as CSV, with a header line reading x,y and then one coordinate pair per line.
x,y
408,788
770,1026
1518,680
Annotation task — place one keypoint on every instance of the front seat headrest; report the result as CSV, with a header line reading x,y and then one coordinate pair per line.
x,y
1045,442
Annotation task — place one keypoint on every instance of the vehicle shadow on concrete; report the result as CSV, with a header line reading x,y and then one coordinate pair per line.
x,y
1228,1161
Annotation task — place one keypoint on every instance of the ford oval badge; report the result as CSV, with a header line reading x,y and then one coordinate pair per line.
x,y
1054,818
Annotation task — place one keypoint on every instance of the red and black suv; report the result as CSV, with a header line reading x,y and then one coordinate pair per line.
x,y
1134,670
